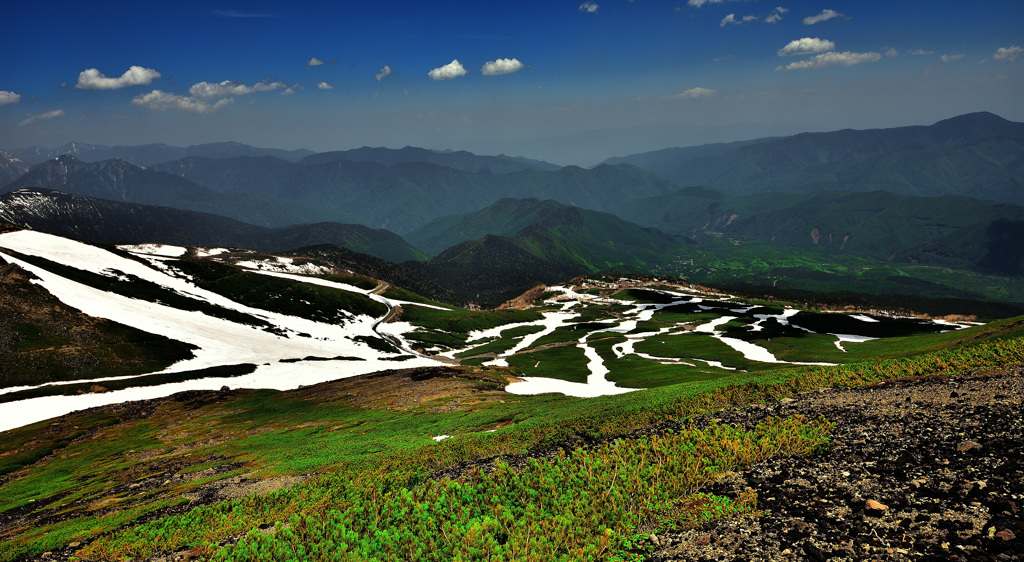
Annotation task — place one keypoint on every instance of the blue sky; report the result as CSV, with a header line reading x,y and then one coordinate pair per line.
x,y
567,81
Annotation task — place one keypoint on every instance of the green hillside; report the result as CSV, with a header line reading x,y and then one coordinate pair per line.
x,y
525,242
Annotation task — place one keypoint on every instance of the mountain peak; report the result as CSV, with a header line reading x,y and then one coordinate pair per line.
x,y
979,126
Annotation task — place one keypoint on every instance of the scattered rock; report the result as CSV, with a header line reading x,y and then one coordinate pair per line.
x,y
967,446
875,509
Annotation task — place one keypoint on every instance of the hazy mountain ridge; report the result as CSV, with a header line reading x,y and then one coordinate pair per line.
x,y
11,168
459,159
978,155
120,180
148,154
406,195
103,221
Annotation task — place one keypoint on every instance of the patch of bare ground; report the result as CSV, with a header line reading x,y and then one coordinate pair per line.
x,y
433,389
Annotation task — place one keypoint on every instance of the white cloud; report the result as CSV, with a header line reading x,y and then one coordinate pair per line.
x,y
7,98
806,46
92,79
207,90
1007,54
918,52
501,66
161,101
292,90
589,7
384,73
950,58
692,94
41,116
892,53
324,86
832,59
825,15
776,15
451,70
731,19
313,61
699,3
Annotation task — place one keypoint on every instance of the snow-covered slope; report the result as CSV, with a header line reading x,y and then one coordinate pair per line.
x,y
219,341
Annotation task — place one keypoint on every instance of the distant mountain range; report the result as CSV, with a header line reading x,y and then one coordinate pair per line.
x,y
97,220
148,154
978,155
271,192
494,225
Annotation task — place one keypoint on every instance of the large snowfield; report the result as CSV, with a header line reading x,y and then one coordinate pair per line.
x,y
220,342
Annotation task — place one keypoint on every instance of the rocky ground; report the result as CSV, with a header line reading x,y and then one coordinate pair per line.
x,y
929,469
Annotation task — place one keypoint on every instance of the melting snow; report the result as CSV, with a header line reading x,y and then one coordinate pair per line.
x,y
161,250
220,342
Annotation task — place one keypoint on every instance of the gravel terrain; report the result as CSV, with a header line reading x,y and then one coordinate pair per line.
x,y
929,469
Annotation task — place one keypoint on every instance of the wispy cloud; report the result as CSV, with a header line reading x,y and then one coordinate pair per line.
x,y
291,90
918,52
384,73
243,15
207,90
589,7
313,61
451,70
806,46
93,79
731,20
158,100
692,94
501,66
1007,54
699,3
41,117
951,58
825,15
776,15
7,98
832,59
324,86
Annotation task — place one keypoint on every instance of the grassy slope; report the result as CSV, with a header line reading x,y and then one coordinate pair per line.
x,y
293,433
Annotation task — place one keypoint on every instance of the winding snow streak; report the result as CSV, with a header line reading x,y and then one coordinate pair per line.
x,y
551,322
840,338
750,351
864,318
596,385
346,287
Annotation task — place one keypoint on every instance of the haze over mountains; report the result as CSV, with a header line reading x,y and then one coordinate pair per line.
x,y
946,195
